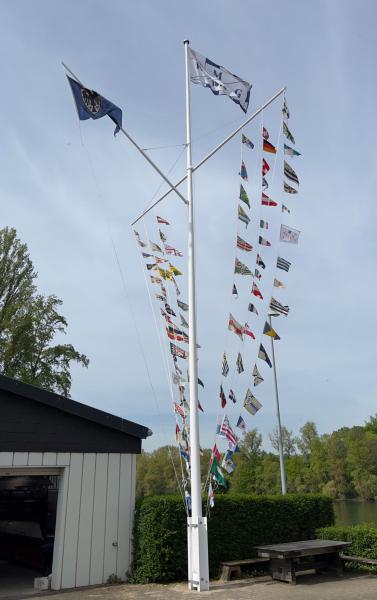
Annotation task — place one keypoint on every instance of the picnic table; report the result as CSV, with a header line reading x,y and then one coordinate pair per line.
x,y
286,560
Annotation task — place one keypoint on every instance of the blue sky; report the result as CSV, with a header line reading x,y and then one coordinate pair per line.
x,y
72,191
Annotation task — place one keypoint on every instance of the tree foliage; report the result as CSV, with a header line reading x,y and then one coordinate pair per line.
x,y
342,464
288,440
29,323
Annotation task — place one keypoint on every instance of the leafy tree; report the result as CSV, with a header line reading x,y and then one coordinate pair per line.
x,y
371,424
307,439
29,323
337,464
251,445
157,472
289,442
342,464
17,277
245,478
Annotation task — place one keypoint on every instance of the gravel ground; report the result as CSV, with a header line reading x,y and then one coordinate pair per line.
x,y
350,587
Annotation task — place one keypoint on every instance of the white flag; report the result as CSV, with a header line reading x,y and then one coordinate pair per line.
x,y
251,404
289,235
177,380
218,79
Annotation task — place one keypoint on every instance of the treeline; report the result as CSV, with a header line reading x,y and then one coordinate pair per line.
x,y
342,464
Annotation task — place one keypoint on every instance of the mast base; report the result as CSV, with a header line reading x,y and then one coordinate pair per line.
x,y
197,548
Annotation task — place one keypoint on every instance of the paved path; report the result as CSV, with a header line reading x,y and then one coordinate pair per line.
x,y
351,587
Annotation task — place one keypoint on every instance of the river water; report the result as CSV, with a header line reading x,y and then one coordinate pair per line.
x,y
353,512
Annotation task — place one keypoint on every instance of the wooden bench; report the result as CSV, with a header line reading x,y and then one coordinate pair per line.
x,y
227,568
358,559
286,560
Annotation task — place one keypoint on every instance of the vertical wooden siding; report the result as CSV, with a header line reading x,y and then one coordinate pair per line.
x,y
94,513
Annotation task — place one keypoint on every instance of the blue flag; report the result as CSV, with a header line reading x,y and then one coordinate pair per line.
x,y
91,105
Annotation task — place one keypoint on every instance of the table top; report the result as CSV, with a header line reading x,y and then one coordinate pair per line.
x,y
302,548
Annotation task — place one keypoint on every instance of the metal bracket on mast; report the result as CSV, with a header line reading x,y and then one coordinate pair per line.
x,y
212,152
147,158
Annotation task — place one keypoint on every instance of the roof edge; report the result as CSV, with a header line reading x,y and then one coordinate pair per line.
x,y
73,407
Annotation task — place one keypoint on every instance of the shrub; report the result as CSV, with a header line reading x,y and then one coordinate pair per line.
x,y
363,538
236,525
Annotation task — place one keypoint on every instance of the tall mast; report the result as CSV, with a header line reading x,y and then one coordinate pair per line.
x,y
198,576
280,437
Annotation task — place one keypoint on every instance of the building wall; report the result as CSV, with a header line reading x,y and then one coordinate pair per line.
x,y
28,425
94,514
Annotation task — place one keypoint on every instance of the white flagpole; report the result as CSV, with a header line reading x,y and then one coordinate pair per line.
x,y
280,439
197,541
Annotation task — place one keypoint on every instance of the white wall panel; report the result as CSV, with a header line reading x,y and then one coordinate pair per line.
x,y
20,459
35,459
126,508
49,459
72,521
112,510
99,520
61,512
86,520
63,459
6,459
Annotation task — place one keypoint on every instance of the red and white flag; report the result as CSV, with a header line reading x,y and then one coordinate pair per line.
x,y
247,331
162,221
266,200
178,409
171,250
215,454
235,326
227,431
265,167
266,135
256,292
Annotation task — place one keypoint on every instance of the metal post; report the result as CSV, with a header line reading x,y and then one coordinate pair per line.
x,y
198,575
280,439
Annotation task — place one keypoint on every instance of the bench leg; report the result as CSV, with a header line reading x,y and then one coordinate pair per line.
x,y
335,564
283,569
237,572
226,572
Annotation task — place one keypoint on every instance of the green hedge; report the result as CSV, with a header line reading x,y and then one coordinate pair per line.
x,y
363,538
235,526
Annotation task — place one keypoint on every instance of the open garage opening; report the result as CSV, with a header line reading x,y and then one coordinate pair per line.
x,y
27,530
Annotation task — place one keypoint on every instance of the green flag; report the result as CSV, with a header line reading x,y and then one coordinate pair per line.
x,y
243,195
217,472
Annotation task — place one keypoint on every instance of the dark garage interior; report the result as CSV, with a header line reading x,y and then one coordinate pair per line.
x,y
27,529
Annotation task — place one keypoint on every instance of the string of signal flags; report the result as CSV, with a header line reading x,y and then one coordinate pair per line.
x,y
163,273
223,462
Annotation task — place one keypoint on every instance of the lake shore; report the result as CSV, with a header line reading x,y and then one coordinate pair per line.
x,y
355,511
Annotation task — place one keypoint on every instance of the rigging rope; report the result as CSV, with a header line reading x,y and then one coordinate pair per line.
x,y
126,293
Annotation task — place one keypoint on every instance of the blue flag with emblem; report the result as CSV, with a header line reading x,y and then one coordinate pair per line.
x,y
91,105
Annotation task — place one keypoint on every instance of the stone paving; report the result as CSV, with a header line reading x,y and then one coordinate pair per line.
x,y
350,587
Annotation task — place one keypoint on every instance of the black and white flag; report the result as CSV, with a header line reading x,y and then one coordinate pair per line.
x,y
225,369
220,81
283,264
278,308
